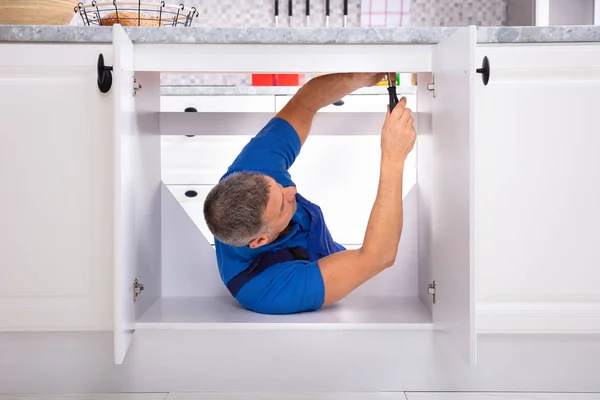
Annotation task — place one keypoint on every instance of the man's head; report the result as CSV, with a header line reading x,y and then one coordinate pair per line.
x,y
249,209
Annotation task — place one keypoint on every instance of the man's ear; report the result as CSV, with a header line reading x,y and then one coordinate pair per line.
x,y
259,241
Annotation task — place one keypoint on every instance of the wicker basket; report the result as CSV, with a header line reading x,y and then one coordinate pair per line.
x,y
36,12
135,13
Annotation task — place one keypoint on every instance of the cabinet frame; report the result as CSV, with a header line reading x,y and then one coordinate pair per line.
x,y
455,321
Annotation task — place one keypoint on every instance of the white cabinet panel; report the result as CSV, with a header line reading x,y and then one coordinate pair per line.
x,y
537,180
231,103
189,261
137,197
191,198
356,102
449,189
55,213
126,169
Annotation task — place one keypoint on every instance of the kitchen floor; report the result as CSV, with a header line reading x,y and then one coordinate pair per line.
x,y
315,396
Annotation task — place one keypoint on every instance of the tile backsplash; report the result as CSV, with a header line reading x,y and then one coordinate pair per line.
x,y
365,13
458,13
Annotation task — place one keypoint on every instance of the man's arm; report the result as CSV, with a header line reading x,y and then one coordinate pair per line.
x,y
321,92
345,271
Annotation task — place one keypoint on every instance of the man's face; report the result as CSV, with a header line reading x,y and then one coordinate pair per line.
x,y
280,208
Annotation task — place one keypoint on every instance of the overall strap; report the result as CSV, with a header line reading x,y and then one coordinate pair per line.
x,y
262,262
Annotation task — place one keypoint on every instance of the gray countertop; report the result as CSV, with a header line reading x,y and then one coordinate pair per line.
x,y
85,34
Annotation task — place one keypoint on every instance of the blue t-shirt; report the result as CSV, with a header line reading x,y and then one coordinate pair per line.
x,y
283,288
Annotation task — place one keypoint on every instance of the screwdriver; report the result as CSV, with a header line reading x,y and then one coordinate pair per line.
x,y
392,90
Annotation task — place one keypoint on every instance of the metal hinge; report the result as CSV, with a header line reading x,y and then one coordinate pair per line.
x,y
431,86
137,289
431,290
136,86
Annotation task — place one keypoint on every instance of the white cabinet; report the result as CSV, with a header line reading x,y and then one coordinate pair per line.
x,y
446,202
390,301
537,186
55,203
486,218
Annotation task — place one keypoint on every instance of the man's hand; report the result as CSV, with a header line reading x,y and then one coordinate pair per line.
x,y
398,134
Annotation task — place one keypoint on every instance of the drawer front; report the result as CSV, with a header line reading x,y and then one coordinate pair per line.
x,y
198,159
218,103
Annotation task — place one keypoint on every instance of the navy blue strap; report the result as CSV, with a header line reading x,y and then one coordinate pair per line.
x,y
262,262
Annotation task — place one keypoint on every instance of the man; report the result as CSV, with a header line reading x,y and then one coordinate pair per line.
x,y
274,251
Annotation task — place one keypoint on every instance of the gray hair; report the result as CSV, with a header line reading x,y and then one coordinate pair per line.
x,y
234,209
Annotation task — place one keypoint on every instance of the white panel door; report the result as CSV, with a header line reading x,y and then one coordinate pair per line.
x,y
56,192
453,126
537,186
125,144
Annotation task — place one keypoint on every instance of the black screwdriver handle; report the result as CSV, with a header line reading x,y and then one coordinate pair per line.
x,y
393,97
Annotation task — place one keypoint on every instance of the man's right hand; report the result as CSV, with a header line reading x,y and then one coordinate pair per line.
x,y
398,134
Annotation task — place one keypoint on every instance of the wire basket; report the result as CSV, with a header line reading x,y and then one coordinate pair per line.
x,y
135,13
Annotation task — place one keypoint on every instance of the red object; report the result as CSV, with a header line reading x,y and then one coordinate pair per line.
x,y
263,79
288,80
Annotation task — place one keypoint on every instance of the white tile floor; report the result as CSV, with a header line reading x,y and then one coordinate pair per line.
x,y
312,396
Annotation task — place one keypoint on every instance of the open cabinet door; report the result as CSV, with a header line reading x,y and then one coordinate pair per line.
x,y
453,119
125,243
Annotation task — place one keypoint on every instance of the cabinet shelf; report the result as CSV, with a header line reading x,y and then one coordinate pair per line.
x,y
184,313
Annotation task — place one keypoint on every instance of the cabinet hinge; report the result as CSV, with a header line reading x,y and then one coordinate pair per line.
x,y
431,86
137,289
431,290
136,86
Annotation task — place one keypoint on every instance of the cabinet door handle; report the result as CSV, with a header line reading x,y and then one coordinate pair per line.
x,y
104,75
485,70
190,109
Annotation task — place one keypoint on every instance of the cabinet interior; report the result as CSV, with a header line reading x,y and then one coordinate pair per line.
x,y
338,169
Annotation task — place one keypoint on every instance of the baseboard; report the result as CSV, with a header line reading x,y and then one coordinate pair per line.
x,y
546,318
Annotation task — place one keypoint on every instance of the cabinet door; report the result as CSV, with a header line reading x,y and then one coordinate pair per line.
x,y
125,235
137,218
137,192
55,198
450,246
537,184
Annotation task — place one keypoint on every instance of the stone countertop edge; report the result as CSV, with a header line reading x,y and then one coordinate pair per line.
x,y
162,35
